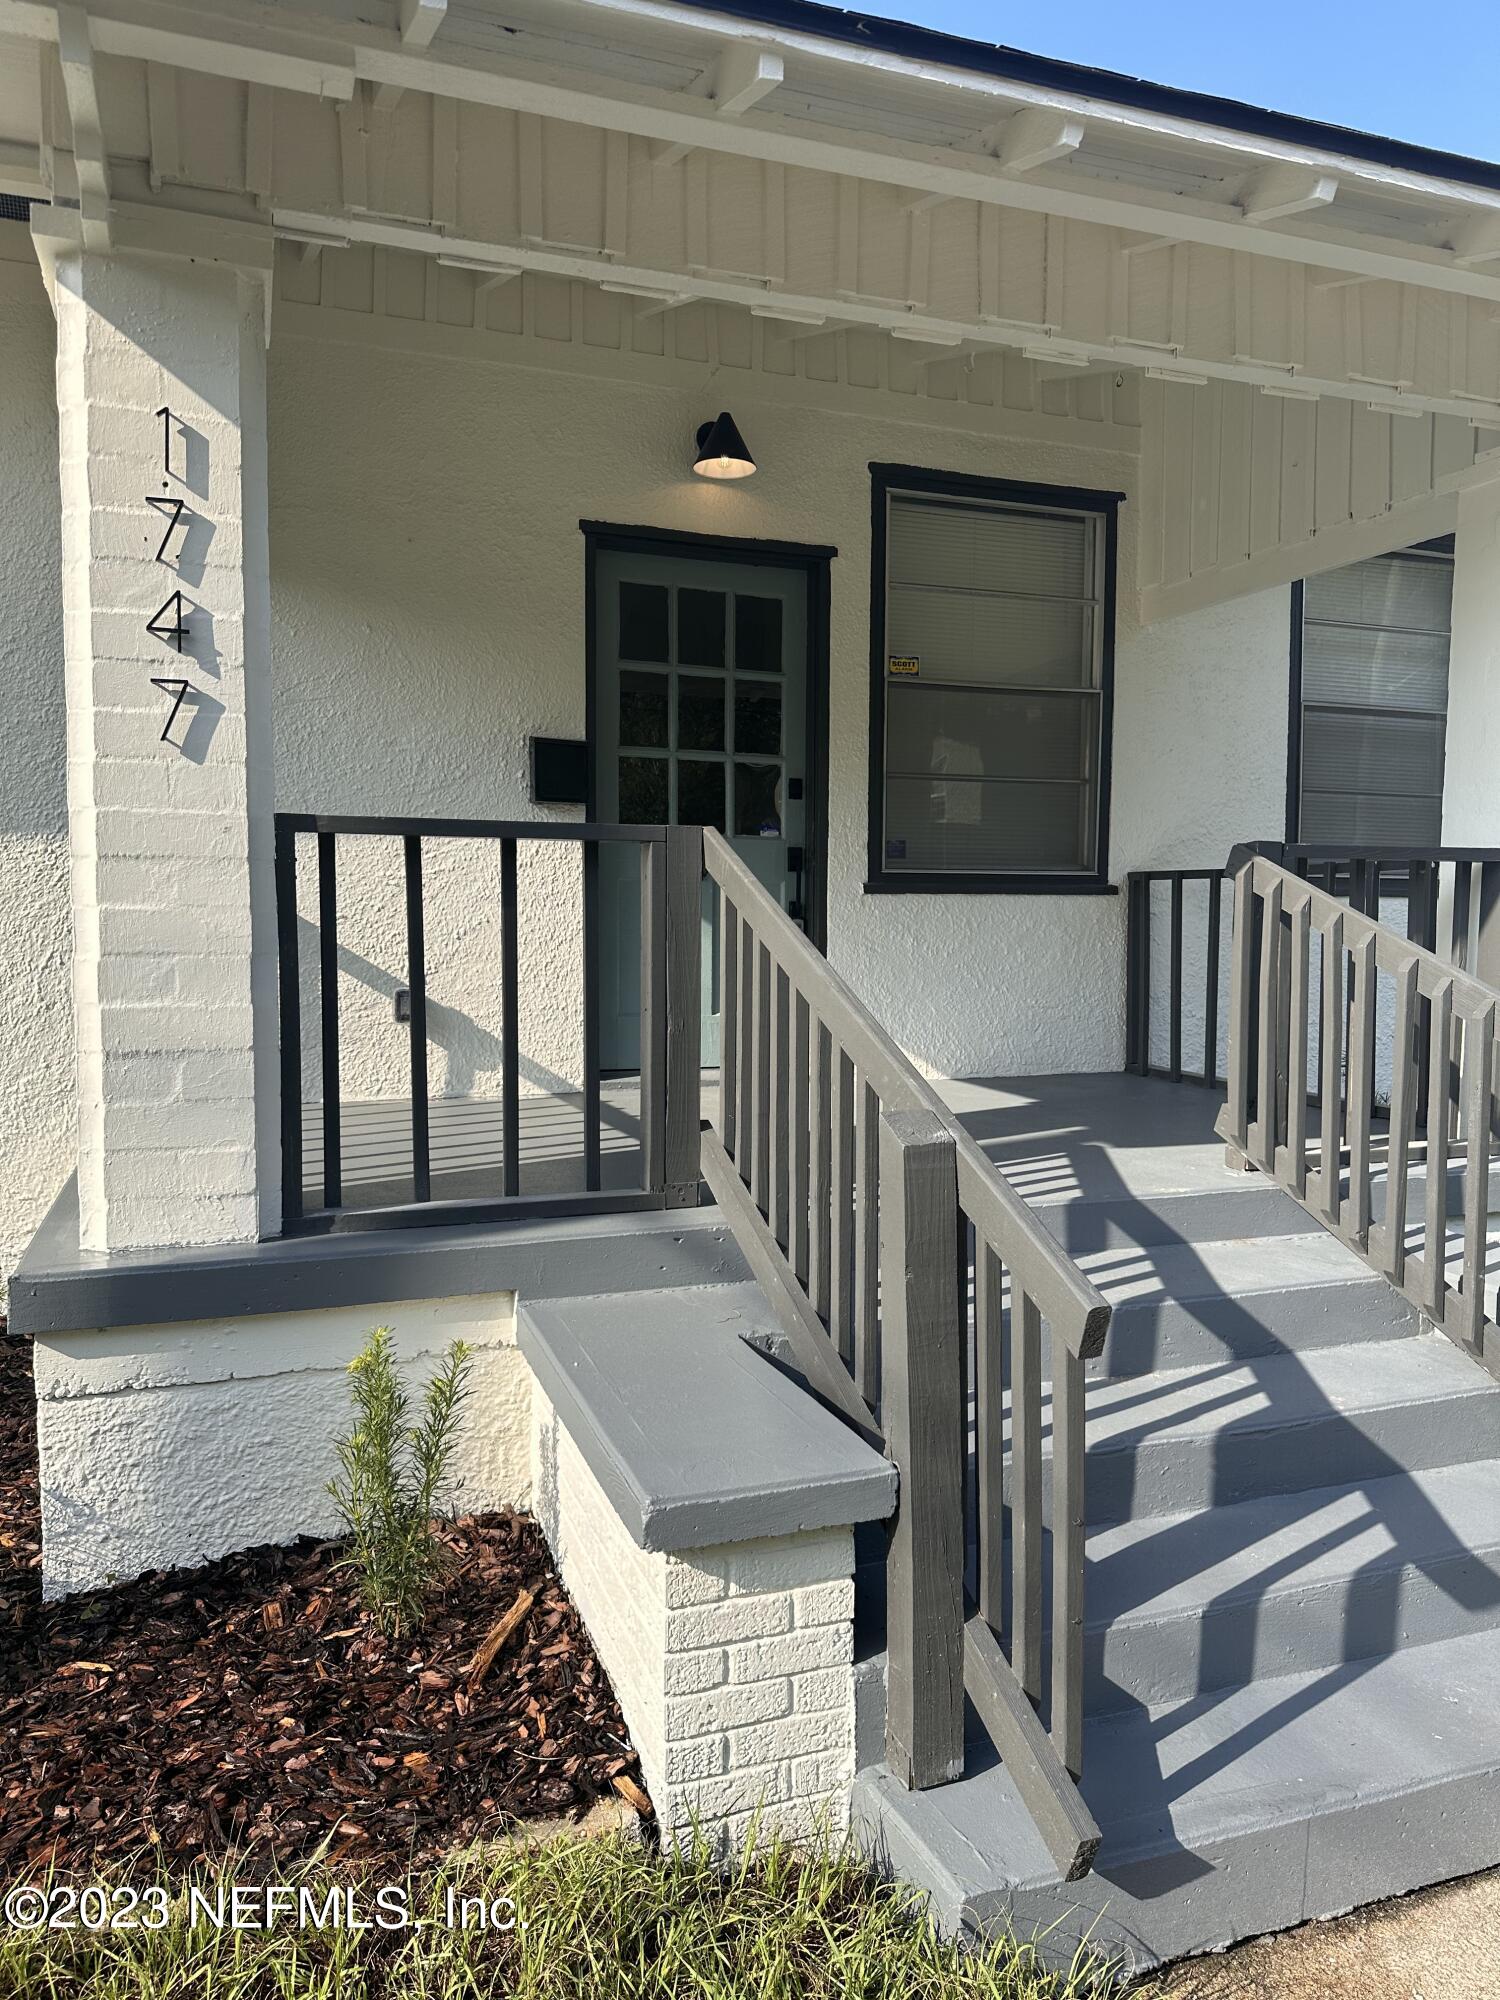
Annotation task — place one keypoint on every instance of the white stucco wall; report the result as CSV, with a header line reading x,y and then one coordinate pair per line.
x,y
37,1094
162,1447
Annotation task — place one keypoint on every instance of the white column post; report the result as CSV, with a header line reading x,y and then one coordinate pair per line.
x,y
174,934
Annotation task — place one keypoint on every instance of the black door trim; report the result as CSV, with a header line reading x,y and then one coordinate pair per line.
x,y
813,559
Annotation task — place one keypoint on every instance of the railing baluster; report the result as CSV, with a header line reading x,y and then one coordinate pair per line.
x,y
867,1247
1477,1086
923,1428
841,1274
1266,1105
289,974
1026,1489
1211,983
510,1024
1174,1021
1360,1087
765,1007
1296,1061
781,1074
1067,1555
729,1026
744,1157
1392,1239
821,1248
416,980
989,1431
1330,1070
1137,942
801,1134
682,1069
590,1014
1435,1212
328,1007
1241,946
653,1017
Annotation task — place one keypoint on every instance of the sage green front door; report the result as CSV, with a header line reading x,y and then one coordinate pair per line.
x,y
700,720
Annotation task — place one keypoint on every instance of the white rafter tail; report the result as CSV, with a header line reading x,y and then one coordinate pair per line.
x,y
742,77
1035,137
420,21
21,168
1289,392
80,85
1476,240
738,81
919,336
917,204
1282,190
648,300
1156,373
1397,406
310,243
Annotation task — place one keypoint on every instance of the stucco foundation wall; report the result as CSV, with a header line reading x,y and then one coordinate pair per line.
x,y
37,1091
733,1665
163,1447
428,576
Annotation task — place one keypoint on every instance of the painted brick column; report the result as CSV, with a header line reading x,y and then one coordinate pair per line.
x,y
171,840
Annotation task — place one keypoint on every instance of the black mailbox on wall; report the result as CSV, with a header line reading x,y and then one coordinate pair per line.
x,y
559,771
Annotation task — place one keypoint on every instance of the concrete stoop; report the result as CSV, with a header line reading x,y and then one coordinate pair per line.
x,y
1292,1594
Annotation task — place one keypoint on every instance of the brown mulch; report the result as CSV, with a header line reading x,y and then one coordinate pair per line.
x,y
249,1704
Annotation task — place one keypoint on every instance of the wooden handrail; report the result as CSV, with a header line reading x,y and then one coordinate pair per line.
x,y
1443,1077
855,1195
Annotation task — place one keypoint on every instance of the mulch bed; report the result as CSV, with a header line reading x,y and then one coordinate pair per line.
x,y
249,1703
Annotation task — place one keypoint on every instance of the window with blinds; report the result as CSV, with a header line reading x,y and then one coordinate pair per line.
x,y
1373,701
993,688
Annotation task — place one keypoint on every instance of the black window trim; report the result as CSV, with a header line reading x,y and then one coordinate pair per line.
x,y
886,479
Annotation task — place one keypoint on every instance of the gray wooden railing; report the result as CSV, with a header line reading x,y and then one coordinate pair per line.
x,y
865,1210
1302,1097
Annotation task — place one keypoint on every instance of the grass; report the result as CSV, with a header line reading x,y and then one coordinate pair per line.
x,y
599,1919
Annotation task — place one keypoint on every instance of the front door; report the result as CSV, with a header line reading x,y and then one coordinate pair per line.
x,y
701,720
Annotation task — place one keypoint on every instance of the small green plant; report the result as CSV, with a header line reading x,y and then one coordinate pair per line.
x,y
391,1479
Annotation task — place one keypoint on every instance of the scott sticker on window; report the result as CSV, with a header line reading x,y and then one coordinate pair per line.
x,y
904,663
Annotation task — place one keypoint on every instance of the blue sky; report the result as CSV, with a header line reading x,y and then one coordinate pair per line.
x,y
1350,64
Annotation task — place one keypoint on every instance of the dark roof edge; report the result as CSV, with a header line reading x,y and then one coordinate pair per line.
x,y
918,44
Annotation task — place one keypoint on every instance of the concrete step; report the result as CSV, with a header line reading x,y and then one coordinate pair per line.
x,y
1224,1815
1178,1305
1181,1604
1187,1438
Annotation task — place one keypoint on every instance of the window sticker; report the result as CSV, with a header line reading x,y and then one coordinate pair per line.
x,y
904,663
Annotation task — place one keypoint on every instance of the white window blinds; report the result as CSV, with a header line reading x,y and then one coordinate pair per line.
x,y
1374,701
992,688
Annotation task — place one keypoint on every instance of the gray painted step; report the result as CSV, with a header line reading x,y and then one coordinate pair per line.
x,y
1200,1437
1227,1815
1180,1604
1178,1306
1247,1205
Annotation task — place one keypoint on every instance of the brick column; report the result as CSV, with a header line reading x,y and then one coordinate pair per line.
x,y
172,889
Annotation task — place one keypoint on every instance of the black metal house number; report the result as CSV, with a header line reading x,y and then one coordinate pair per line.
x,y
169,622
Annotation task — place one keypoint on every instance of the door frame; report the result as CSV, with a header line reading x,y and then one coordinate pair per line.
x,y
813,559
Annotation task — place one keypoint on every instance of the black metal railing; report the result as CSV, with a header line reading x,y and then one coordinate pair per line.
x,y
1178,936
670,867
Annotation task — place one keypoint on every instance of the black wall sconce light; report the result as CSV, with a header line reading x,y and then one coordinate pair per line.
x,y
722,452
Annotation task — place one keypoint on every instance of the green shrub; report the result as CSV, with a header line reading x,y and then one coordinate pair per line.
x,y
392,1476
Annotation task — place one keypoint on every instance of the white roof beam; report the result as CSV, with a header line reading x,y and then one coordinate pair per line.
x,y
21,168
1277,192
738,81
1033,137
662,290
80,85
420,21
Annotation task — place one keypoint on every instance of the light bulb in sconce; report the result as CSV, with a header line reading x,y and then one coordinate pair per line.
x,y
722,452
